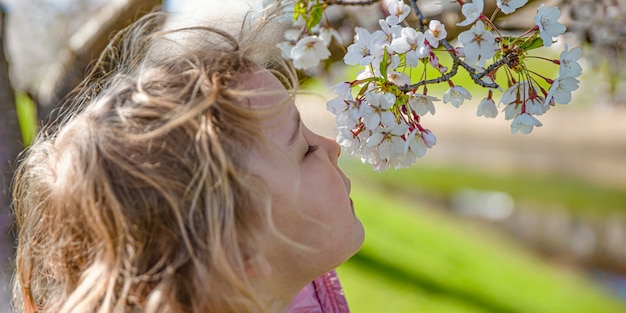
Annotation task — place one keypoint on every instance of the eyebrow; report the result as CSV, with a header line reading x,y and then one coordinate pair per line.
x,y
294,136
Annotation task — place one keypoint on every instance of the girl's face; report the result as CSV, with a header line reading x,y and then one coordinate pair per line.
x,y
311,202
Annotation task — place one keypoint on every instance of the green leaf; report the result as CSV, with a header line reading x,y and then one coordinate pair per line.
x,y
299,9
383,65
532,43
315,16
363,90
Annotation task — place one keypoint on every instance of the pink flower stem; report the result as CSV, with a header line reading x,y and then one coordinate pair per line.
x,y
493,15
557,62
488,21
550,81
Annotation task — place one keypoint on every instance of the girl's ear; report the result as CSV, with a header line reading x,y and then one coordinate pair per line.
x,y
257,266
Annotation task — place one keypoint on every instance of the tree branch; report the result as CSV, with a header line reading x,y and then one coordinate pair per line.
x,y
440,79
476,77
421,19
85,45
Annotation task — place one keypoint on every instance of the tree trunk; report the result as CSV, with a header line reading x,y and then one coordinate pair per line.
x,y
85,46
10,146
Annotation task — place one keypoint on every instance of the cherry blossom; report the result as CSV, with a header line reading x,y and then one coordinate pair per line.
x,y
292,35
487,108
415,145
379,113
472,12
515,93
422,104
436,31
410,42
398,11
478,44
524,123
512,110
561,90
342,89
308,52
388,137
398,78
327,34
360,51
385,147
536,106
456,95
348,140
377,110
386,34
569,63
380,43
509,6
347,111
514,98
365,73
549,27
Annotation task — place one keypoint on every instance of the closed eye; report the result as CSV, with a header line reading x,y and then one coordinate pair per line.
x,y
311,149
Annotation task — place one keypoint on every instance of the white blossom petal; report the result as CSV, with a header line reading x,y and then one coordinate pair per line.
x,y
509,6
308,52
569,66
487,108
436,32
478,44
536,106
471,11
561,90
422,104
549,27
398,11
456,95
524,123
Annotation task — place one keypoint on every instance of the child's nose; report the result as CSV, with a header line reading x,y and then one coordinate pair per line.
x,y
334,150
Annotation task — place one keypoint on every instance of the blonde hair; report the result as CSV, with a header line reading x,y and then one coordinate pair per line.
x,y
138,198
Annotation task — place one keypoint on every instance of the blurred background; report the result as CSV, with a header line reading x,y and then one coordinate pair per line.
x,y
485,222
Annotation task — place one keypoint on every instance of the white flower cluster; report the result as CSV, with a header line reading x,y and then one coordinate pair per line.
x,y
379,114
306,44
381,124
525,99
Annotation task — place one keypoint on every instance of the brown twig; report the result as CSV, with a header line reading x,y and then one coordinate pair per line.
x,y
476,76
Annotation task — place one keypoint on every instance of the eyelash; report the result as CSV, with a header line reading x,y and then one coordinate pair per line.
x,y
311,149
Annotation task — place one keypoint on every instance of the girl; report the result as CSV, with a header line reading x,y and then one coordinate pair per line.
x,y
180,178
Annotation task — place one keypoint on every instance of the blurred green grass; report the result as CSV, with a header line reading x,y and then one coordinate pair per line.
x,y
418,260
546,189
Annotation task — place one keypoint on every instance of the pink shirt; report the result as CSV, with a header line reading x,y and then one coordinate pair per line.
x,y
323,295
